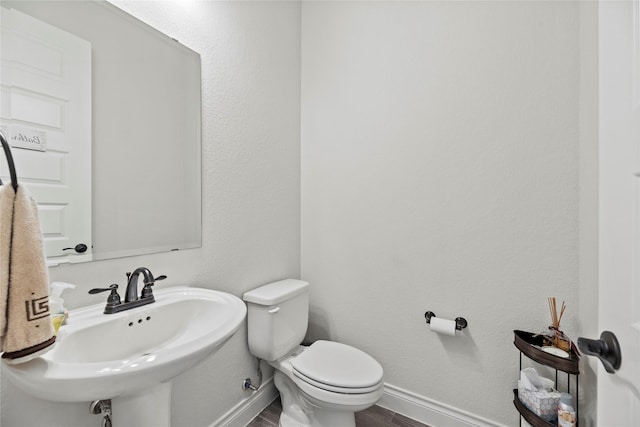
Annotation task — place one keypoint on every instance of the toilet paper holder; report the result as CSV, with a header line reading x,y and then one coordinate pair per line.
x,y
461,322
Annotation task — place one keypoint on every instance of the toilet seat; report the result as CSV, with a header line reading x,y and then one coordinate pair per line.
x,y
338,368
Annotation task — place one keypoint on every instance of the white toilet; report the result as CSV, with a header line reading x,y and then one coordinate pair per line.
x,y
321,385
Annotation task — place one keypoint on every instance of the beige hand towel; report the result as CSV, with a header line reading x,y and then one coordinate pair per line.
x,y
26,330
6,221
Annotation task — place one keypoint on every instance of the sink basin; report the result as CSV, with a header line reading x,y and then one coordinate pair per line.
x,y
102,356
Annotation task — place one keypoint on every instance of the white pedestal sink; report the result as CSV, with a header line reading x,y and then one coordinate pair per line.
x,y
132,356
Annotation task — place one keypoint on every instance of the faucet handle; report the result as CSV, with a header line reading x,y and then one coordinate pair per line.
x,y
147,292
99,290
154,280
113,298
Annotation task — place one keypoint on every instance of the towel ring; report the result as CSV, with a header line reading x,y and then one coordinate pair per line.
x,y
12,166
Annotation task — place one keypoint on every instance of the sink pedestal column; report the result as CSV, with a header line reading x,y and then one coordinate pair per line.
x,y
150,407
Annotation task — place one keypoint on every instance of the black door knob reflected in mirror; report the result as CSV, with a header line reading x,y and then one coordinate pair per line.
x,y
79,248
607,349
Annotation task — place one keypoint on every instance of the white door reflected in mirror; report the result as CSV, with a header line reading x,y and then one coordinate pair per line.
x,y
46,118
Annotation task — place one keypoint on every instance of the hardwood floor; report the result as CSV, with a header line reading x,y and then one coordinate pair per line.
x,y
372,417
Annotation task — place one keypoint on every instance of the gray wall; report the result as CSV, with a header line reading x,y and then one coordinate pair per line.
x,y
440,171
589,205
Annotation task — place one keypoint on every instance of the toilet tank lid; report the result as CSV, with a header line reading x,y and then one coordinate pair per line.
x,y
276,292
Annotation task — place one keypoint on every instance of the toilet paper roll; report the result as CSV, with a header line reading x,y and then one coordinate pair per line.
x,y
443,326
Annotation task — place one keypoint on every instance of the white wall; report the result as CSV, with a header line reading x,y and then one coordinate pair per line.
x,y
251,192
440,171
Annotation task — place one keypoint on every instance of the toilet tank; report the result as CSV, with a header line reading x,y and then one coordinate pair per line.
x,y
277,317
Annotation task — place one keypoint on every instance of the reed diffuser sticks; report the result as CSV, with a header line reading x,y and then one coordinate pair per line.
x,y
559,339
553,309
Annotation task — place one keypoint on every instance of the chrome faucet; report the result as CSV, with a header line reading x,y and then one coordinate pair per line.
x,y
131,300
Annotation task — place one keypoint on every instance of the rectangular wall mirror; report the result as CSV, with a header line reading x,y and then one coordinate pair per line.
x,y
103,115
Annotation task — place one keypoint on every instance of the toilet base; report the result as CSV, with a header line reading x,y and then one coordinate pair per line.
x,y
294,410
332,419
319,419
298,412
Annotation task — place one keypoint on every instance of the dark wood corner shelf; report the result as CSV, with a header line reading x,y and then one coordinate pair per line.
x,y
530,345
527,414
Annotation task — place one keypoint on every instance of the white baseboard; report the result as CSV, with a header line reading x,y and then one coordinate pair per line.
x,y
241,414
419,408
428,411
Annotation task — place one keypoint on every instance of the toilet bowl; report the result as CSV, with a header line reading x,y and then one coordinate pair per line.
x,y
321,385
334,380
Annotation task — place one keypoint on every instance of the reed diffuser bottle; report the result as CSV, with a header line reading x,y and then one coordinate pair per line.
x,y
558,338
566,413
